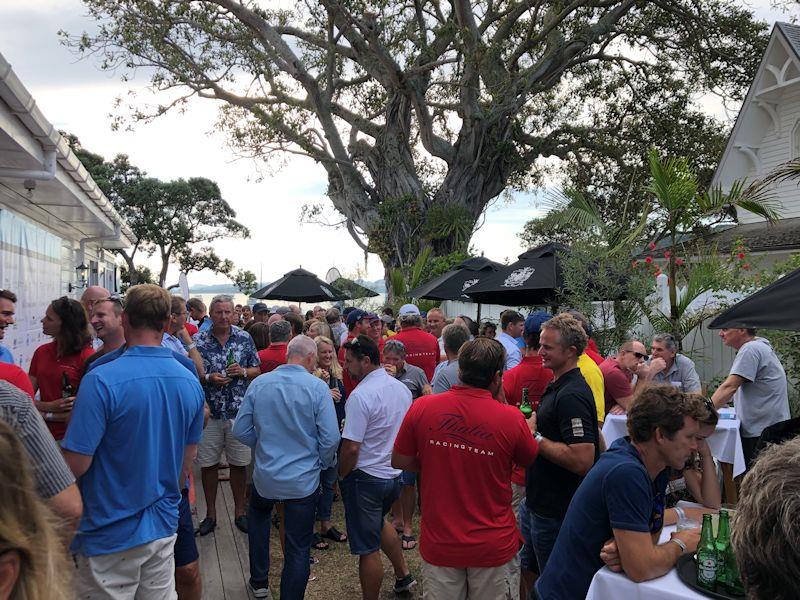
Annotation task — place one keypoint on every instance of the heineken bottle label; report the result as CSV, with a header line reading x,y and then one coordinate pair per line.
x,y
707,569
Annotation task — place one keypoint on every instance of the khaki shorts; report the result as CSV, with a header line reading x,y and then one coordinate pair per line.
x,y
146,571
217,437
449,583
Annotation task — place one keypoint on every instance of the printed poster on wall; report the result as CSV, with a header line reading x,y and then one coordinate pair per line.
x,y
30,266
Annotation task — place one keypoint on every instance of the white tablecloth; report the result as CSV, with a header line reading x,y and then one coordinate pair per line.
x,y
607,585
725,443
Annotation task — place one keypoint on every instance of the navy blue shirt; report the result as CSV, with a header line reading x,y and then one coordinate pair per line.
x,y
617,493
134,416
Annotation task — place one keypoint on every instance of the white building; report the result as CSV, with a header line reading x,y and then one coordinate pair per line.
x,y
56,226
767,134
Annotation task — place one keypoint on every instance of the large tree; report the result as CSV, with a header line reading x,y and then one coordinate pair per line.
x,y
177,220
423,111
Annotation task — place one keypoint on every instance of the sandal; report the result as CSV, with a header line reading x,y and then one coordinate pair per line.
x,y
318,543
409,542
335,535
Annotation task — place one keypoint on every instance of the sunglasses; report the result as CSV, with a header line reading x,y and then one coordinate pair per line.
x,y
116,298
639,355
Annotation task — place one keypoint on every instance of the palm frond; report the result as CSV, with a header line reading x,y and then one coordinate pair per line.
x,y
789,170
672,182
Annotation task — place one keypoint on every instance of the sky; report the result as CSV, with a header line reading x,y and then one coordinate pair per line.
x,y
77,97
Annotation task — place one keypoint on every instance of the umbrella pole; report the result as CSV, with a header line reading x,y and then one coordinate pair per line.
x,y
479,313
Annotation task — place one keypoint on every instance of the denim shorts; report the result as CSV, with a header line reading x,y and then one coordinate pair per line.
x,y
367,500
185,545
408,478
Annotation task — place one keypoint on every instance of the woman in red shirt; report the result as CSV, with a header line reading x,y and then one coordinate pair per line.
x,y
60,361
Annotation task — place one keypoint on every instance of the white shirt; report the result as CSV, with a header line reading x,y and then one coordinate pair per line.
x,y
375,411
513,353
170,341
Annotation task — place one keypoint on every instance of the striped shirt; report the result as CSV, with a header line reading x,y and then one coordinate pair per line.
x,y
50,472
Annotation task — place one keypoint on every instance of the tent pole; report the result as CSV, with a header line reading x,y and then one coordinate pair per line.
x,y
479,314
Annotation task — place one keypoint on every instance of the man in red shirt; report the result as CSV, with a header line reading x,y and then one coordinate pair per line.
x,y
274,355
592,351
618,372
422,349
465,444
376,330
357,324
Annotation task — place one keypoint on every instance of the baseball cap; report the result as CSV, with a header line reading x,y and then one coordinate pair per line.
x,y
372,317
408,310
354,316
260,307
282,310
387,318
535,320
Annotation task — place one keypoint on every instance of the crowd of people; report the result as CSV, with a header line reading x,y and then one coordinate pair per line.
x,y
418,411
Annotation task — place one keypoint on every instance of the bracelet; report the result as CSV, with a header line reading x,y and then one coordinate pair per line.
x,y
680,543
48,416
208,375
538,437
190,346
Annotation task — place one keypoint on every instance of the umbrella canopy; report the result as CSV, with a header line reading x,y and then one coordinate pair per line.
x,y
533,279
353,289
773,307
301,286
451,285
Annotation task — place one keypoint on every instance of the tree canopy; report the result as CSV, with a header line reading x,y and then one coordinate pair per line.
x,y
178,220
422,111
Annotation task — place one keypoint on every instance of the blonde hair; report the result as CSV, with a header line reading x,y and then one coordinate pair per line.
x,y
27,528
148,306
335,368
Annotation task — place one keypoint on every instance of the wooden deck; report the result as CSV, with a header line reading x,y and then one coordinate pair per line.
x,y
225,565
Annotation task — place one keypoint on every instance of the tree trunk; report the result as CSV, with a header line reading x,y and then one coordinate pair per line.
x,y
133,274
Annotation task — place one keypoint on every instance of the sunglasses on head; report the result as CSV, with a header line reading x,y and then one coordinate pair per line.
x,y
113,298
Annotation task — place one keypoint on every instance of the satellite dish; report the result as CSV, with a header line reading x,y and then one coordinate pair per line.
x,y
332,275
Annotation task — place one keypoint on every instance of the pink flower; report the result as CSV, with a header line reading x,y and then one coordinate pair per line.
x,y
652,245
746,266
667,254
740,255
679,261
648,260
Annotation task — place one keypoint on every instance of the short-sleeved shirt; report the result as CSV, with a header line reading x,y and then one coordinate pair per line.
x,y
594,379
374,412
50,472
134,416
48,368
513,351
466,443
762,400
617,382
567,414
422,349
173,343
115,354
413,378
224,400
272,357
446,376
617,493
17,377
682,374
5,355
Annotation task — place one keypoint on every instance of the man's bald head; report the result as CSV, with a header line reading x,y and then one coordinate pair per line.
x,y
91,295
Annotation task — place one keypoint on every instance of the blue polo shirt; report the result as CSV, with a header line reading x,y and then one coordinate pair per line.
x,y
617,493
135,416
5,355
114,355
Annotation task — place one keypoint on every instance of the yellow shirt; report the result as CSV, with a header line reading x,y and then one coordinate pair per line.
x,y
594,378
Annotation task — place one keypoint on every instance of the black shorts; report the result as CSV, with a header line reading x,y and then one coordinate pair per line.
x,y
185,545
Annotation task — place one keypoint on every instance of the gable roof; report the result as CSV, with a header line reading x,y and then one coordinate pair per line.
x,y
792,35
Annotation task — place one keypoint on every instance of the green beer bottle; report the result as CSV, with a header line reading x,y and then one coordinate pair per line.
x,y
723,543
231,359
707,560
525,407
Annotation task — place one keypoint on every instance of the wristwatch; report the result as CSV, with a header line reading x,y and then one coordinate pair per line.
x,y
538,437
680,543
190,346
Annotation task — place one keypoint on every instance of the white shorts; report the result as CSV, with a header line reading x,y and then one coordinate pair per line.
x,y
217,436
449,583
146,571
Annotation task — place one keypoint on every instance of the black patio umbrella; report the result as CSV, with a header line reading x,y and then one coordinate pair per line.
x,y
451,285
533,280
773,307
301,286
353,289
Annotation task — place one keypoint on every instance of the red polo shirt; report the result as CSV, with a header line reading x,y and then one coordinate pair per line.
x,y
616,381
466,444
273,356
530,374
16,377
422,349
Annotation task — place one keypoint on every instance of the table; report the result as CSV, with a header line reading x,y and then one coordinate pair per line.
x,y
607,584
725,443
